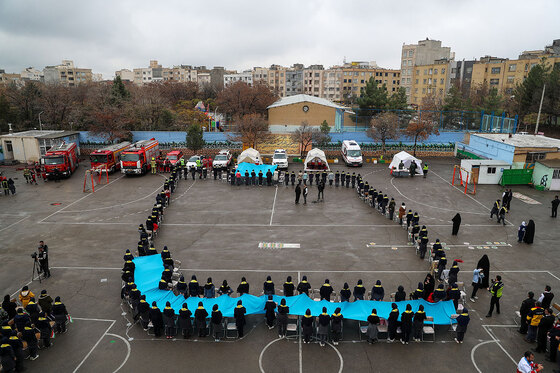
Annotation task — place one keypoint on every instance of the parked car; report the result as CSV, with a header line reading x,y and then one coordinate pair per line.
x,y
222,159
280,159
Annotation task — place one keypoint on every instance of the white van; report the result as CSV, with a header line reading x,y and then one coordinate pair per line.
x,y
351,153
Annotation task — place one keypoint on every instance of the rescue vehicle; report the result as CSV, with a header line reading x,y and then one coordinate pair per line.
x,y
137,159
62,160
174,156
109,156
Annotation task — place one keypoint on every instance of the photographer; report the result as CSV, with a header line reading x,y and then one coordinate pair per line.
x,y
43,258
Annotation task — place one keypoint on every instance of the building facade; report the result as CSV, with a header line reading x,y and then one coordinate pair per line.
x,y
355,78
431,80
426,52
245,77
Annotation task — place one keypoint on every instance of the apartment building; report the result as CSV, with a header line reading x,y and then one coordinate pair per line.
x,y
331,84
125,74
245,77
277,79
313,80
461,74
67,74
31,73
260,74
294,81
10,78
356,77
431,79
426,52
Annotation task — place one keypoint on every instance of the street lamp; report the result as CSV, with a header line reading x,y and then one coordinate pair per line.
x,y
40,124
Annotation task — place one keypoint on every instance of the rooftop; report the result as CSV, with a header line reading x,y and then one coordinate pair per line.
x,y
45,134
297,99
522,141
552,163
485,162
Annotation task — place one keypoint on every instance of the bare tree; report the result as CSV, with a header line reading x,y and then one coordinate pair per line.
x,y
250,129
383,127
426,124
305,135
240,99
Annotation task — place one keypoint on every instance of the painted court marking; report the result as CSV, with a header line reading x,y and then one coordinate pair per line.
x,y
11,225
493,340
273,204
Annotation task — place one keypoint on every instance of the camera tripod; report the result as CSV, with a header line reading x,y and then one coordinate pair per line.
x,y
36,269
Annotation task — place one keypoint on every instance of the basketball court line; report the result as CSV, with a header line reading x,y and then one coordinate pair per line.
x,y
98,341
273,204
17,222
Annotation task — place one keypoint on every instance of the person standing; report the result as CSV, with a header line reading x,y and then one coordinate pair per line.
x,y
216,319
418,324
529,232
495,209
283,311
336,326
200,316
305,176
43,258
307,326
392,321
484,264
392,208
555,202
305,192
546,297
321,189
502,215
412,168
456,224
323,328
425,170
270,315
554,335
509,198
331,178
478,275
542,331
496,290
406,324
402,212
298,193
372,329
521,231
462,322
184,321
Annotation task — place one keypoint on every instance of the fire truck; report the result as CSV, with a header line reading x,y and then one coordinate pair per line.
x,y
137,158
109,156
61,160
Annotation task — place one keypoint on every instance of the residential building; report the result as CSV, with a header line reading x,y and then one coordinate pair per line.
x,y
245,77
9,78
355,76
313,80
125,75
260,74
461,74
204,78
31,73
67,74
277,79
432,79
331,84
426,52
294,80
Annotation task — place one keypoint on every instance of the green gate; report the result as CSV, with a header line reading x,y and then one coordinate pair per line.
x,y
521,176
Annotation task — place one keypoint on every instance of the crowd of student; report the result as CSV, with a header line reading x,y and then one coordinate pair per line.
x,y
29,325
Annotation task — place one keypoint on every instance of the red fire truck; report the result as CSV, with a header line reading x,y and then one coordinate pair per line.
x,y
137,158
109,156
61,160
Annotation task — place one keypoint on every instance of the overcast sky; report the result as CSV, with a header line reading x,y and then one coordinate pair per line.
x,y
107,35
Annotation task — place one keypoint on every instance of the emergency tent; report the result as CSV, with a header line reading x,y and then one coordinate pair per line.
x,y
316,161
407,159
245,166
250,155
148,271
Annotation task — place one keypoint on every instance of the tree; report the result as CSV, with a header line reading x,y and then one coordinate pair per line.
x,y
373,96
397,101
185,116
493,102
383,127
240,99
322,137
195,138
56,105
111,123
453,99
250,129
426,124
304,136
119,93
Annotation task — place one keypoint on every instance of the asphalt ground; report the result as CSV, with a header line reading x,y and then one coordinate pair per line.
x,y
215,229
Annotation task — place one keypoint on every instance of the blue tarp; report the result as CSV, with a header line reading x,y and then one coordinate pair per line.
x,y
148,273
246,166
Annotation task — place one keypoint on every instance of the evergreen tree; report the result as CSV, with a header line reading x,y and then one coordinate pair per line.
x,y
493,102
373,96
397,101
195,139
119,93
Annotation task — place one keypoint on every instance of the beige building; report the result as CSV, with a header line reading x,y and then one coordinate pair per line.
x,y
67,74
313,80
9,78
125,74
426,52
433,79
287,114
354,78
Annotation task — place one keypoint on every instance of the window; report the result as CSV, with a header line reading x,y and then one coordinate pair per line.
x,y
435,71
416,81
496,70
417,72
345,80
443,70
494,81
9,146
424,81
512,67
441,91
510,79
409,62
469,70
430,81
441,81
533,157
410,53
491,170
425,71
556,174
316,75
415,90
362,81
423,90
430,71
363,74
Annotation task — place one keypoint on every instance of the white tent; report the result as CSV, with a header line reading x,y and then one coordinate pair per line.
x,y
407,159
319,160
250,155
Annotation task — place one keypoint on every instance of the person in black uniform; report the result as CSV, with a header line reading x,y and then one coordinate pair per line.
x,y
342,178
231,176
392,322
307,326
60,315
239,315
408,218
194,287
359,291
157,319
225,288
372,330
345,293
348,180
270,315
555,202
418,323
163,285
439,293
268,286
406,324
17,346
289,287
323,328
377,291
44,326
304,286
283,311
400,295
253,177
184,321
321,191
311,176
441,266
336,326
260,178
293,178
462,323
32,310
326,290
143,312
286,178
454,294
200,316
526,306
182,287
7,356
29,335
247,180
353,180
243,287
423,246
168,317
298,193
418,293
384,203
216,319
336,178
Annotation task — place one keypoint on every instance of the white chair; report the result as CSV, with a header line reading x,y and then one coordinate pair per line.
x,y
293,324
231,327
362,328
429,329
